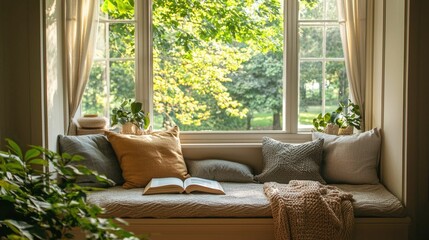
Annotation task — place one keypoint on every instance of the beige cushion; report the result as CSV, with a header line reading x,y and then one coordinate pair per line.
x,y
351,159
144,157
284,162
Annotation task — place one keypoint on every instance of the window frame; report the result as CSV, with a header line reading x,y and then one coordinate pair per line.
x,y
290,133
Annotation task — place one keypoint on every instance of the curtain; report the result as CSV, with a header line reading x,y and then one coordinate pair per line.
x,y
80,20
352,19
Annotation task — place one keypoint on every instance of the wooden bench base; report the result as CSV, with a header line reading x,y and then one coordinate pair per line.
x,y
253,228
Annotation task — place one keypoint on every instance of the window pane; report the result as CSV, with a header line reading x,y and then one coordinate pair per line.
x,y
100,48
122,82
218,65
331,10
117,9
121,40
310,91
334,47
337,89
94,98
311,10
311,42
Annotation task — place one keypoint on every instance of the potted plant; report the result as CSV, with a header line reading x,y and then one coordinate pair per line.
x,y
341,121
38,204
131,116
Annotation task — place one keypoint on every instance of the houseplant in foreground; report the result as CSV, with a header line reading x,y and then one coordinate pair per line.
x,y
131,116
341,121
37,204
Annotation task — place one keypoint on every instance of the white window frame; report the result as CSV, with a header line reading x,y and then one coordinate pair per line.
x,y
290,132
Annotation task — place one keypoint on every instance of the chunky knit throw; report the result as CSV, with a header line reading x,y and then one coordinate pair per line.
x,y
309,210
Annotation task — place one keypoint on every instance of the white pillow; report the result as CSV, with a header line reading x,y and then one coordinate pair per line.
x,y
350,159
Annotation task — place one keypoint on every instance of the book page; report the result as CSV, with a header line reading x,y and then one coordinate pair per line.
x,y
164,185
203,185
160,182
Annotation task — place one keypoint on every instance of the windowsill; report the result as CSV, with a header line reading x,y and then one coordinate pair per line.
x,y
240,138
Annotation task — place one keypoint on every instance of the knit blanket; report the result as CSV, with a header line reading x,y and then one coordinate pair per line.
x,y
309,210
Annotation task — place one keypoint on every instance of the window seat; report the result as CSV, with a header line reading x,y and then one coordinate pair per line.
x,y
243,213
242,200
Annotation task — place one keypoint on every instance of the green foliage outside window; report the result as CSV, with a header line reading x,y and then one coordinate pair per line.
x,y
218,65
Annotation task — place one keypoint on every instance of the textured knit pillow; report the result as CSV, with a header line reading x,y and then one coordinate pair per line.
x,y
220,170
284,162
351,159
98,156
144,157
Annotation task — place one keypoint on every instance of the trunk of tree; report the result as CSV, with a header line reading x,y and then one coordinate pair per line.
x,y
249,121
276,121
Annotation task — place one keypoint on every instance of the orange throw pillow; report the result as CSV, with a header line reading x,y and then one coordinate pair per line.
x,y
144,157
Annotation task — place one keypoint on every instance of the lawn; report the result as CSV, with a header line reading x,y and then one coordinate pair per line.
x,y
264,121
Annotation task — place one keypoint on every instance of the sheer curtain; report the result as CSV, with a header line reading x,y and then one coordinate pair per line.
x,y
352,19
80,20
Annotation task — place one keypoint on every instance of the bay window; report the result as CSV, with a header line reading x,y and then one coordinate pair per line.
x,y
224,67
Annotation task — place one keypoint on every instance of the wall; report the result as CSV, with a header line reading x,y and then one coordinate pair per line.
x,y
400,90
388,88
21,74
417,122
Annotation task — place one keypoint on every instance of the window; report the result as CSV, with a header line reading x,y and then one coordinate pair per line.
x,y
322,73
112,77
239,65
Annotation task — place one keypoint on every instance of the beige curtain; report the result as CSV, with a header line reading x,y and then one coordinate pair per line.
x,y
80,18
352,19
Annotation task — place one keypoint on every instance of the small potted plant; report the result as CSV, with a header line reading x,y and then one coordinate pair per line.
x,y
341,121
131,116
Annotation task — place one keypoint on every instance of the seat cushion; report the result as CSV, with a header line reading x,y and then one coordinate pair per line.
x,y
240,200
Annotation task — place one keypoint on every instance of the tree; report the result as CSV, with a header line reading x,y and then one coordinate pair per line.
x,y
258,86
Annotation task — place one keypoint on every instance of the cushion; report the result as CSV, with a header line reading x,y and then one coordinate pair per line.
x,y
144,157
98,156
220,170
284,162
350,159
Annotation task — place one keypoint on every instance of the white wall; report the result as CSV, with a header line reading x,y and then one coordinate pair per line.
x,y
388,86
394,110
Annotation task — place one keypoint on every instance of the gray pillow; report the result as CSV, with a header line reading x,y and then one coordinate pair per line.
x,y
284,162
98,155
220,170
351,159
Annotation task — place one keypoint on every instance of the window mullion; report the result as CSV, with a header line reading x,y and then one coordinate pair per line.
x,y
107,70
292,69
144,55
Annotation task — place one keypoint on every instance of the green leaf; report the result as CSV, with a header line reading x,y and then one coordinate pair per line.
x,y
8,186
136,107
11,145
14,166
31,153
18,227
38,161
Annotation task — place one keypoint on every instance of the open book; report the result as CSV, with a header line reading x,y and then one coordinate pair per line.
x,y
176,185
